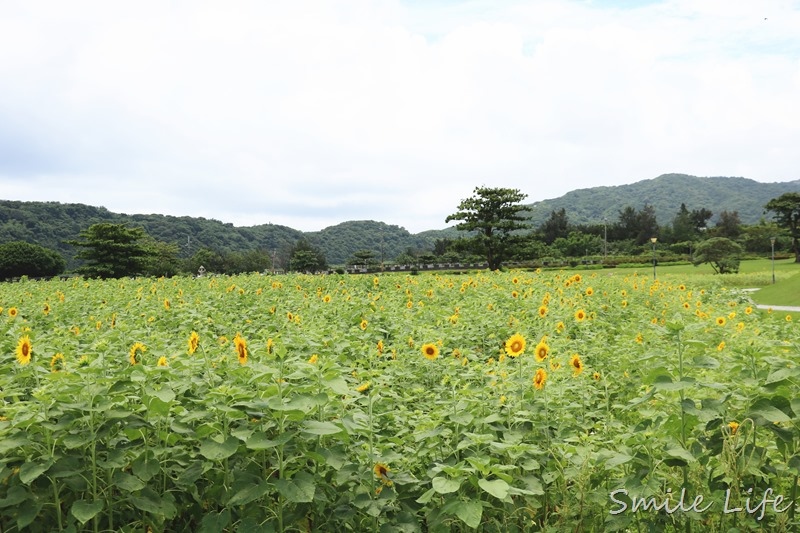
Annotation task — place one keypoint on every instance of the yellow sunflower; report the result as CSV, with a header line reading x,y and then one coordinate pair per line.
x,y
720,320
381,470
589,291
46,309
136,352
270,345
24,350
313,359
380,346
194,342
364,387
162,361
241,349
57,363
542,311
733,426
430,351
539,378
12,312
576,364
580,315
541,351
515,345
363,324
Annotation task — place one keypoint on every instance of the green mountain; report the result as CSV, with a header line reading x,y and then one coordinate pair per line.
x,y
51,223
666,193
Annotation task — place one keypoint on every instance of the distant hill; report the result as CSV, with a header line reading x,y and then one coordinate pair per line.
x,y
666,193
51,223
339,242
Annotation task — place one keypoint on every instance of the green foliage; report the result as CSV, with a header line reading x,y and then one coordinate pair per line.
x,y
228,262
666,193
728,225
161,258
24,259
363,258
787,215
556,226
307,258
111,251
494,214
721,253
338,243
681,387
637,225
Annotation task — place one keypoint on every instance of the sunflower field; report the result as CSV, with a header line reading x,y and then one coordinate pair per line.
x,y
495,401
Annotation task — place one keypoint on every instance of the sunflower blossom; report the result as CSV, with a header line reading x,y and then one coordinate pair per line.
x,y
57,363
24,350
541,351
430,351
136,352
515,345
194,342
539,379
241,349
576,364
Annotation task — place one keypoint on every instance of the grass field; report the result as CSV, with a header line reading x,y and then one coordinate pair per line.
x,y
490,401
755,273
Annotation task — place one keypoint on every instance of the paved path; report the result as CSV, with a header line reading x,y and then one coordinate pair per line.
x,y
790,308
780,308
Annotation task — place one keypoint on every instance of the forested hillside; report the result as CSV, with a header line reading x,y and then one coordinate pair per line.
x,y
666,193
339,242
50,224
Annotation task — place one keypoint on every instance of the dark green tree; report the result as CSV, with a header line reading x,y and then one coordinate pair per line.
x,y
728,225
20,258
683,228
111,250
493,214
210,260
307,258
700,217
162,258
638,226
722,254
363,258
787,215
555,227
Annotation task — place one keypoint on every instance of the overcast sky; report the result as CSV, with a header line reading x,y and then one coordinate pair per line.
x,y
311,113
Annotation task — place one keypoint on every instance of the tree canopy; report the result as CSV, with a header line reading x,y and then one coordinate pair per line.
x,y
493,214
721,253
19,258
787,214
111,251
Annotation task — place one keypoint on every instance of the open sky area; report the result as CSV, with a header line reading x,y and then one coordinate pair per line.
x,y
310,113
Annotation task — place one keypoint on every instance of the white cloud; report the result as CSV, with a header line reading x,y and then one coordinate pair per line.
x,y
310,113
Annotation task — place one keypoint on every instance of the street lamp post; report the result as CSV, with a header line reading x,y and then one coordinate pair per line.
x,y
772,243
653,241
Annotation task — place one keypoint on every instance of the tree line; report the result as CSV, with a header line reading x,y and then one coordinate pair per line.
x,y
494,228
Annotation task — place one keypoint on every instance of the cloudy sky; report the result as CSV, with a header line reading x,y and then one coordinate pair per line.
x,y
309,113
